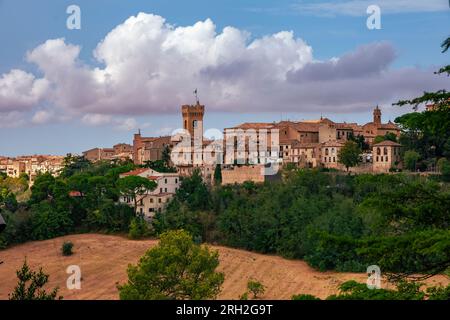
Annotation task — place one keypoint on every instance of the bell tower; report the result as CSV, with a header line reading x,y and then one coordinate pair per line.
x,y
377,115
193,118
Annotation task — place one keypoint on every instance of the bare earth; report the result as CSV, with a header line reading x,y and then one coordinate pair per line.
x,y
104,259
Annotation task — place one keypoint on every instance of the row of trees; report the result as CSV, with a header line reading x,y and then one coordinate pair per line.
x,y
85,197
333,221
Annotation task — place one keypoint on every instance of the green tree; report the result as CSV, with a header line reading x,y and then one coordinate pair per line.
x,y
194,192
361,141
165,156
139,228
388,136
175,269
410,159
256,288
135,187
31,284
218,175
349,154
443,166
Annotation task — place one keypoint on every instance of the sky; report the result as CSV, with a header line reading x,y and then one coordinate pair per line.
x,y
133,63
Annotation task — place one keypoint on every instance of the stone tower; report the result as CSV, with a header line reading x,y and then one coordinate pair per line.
x,y
377,115
193,118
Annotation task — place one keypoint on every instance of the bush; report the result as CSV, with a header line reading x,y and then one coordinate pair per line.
x,y
304,297
67,248
176,269
256,288
139,228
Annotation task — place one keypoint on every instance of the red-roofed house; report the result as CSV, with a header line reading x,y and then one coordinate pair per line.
x,y
156,200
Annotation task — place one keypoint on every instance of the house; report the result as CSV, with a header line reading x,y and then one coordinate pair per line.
x,y
154,201
386,155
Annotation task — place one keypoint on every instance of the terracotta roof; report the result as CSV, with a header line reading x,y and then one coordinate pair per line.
x,y
74,194
387,143
299,145
254,125
135,172
332,143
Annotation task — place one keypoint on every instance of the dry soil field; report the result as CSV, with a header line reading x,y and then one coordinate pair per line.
x,y
103,261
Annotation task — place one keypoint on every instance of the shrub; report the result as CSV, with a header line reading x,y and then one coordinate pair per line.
x,y
139,228
304,297
67,248
256,288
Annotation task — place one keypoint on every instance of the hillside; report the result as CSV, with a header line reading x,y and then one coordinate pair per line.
x,y
103,260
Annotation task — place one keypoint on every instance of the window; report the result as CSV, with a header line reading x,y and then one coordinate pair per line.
x,y
160,190
326,151
176,180
329,159
386,158
325,159
151,200
385,151
185,124
165,189
159,200
334,159
194,124
377,158
378,152
165,181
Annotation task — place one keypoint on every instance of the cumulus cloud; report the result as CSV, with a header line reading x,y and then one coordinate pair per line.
x,y
20,91
149,66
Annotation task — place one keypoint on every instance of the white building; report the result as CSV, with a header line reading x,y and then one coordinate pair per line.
x,y
156,200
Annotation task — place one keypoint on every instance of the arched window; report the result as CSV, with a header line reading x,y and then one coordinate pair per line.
x,y
326,151
185,124
385,151
378,151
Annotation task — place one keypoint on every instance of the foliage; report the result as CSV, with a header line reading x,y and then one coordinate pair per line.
x,y
256,288
410,158
194,192
443,166
217,175
388,136
135,187
139,228
360,141
304,297
160,166
349,154
31,284
66,248
175,269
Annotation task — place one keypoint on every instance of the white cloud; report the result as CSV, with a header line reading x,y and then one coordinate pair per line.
x,y
96,119
149,66
127,124
20,90
359,7
42,116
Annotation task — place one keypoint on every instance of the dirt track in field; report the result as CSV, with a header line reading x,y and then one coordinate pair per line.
x,y
104,259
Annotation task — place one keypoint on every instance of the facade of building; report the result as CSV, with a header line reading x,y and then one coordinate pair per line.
x,y
386,155
309,143
121,151
156,200
32,166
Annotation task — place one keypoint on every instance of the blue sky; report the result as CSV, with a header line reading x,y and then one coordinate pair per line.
x,y
410,38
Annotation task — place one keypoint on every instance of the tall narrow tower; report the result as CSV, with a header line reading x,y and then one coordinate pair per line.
x,y
193,118
377,115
